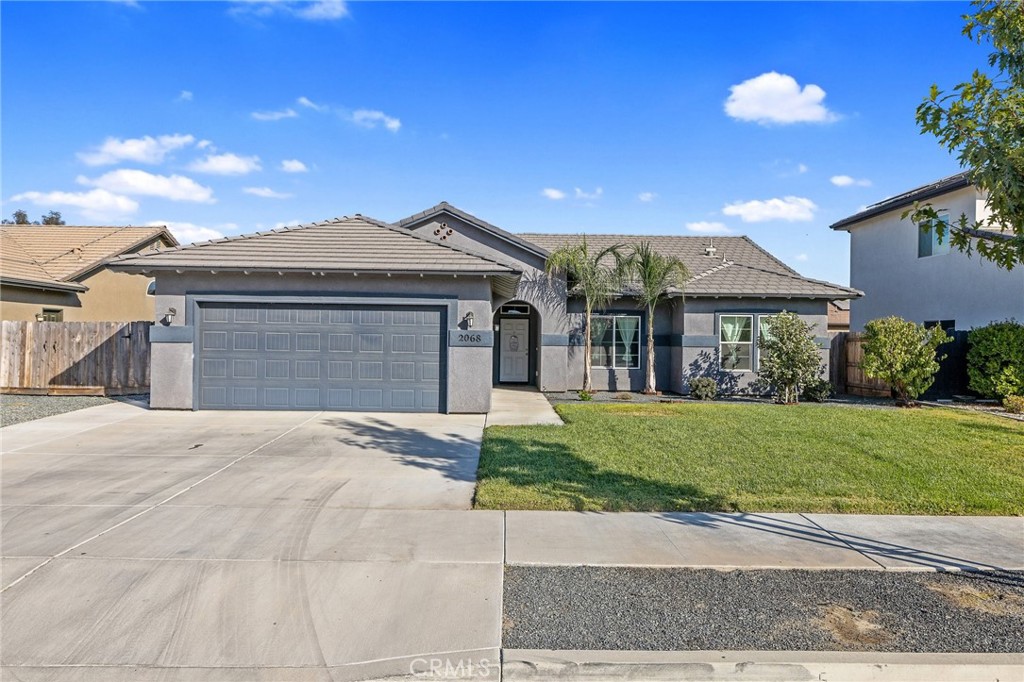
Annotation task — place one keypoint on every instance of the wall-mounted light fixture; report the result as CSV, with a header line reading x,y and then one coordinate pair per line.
x,y
469,320
168,316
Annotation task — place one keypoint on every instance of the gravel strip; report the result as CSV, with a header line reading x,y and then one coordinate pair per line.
x,y
685,610
15,409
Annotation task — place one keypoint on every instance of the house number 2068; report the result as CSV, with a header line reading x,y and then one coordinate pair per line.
x,y
470,338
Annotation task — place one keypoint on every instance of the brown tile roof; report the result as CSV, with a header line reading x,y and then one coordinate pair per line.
x,y
739,267
54,256
347,244
445,207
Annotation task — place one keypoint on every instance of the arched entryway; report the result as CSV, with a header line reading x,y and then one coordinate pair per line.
x,y
516,344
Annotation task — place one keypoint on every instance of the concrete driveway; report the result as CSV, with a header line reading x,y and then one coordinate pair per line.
x,y
226,546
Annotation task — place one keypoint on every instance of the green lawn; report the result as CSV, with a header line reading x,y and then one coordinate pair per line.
x,y
756,457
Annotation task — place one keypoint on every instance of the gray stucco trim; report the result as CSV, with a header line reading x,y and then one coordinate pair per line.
x,y
158,333
823,341
554,340
452,303
695,341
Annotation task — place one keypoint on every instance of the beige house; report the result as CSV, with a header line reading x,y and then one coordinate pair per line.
x,y
59,273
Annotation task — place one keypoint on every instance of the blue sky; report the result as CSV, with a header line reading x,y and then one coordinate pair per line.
x,y
766,119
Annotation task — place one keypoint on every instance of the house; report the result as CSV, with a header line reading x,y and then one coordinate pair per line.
x,y
910,272
428,313
59,273
838,317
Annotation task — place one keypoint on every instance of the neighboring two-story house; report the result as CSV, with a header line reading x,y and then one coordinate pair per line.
x,y
55,273
910,272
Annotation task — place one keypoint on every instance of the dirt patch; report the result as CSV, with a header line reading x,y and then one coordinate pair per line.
x,y
991,600
853,629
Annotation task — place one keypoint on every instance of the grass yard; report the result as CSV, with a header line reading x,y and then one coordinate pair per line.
x,y
756,457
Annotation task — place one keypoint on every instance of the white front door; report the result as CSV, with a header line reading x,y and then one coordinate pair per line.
x,y
515,350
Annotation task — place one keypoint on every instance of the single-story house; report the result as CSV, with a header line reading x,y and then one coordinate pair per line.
x,y
428,313
909,272
55,273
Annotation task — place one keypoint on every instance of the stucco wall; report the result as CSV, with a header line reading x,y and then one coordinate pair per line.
x,y
112,297
469,369
951,286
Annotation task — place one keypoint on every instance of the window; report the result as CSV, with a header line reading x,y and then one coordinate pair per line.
x,y
51,315
947,325
736,342
929,243
615,341
151,288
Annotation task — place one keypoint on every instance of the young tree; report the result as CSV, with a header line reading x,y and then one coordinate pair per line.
x,y
902,354
53,218
595,276
790,357
654,275
19,217
981,121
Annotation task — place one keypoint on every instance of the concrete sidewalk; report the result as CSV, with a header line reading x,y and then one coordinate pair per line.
x,y
521,406
752,541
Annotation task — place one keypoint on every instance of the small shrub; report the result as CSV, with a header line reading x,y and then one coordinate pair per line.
x,y
902,354
790,357
623,396
704,388
586,396
1014,404
995,359
818,391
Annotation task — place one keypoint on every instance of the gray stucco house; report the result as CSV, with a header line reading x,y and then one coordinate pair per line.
x,y
427,314
909,272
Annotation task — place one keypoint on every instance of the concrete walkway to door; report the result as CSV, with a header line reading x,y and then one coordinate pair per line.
x,y
520,406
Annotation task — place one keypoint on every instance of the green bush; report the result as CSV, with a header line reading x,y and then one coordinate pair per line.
x,y
818,391
586,396
704,388
995,359
1014,404
790,357
902,354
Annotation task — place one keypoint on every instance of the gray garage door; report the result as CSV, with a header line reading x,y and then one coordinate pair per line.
x,y
313,357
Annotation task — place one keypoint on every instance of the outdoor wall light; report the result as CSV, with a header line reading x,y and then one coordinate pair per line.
x,y
469,320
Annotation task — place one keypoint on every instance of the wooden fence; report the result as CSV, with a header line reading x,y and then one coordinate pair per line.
x,y
69,358
854,379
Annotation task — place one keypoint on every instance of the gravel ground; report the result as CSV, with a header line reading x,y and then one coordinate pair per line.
x,y
15,409
685,610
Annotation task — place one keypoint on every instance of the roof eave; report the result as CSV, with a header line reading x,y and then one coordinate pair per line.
x,y
92,267
44,286
501,234
945,186
146,268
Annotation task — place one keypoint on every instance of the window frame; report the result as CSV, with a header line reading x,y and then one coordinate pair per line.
x,y
52,315
754,330
933,243
639,339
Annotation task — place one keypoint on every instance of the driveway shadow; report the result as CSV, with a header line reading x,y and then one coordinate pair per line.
x,y
453,455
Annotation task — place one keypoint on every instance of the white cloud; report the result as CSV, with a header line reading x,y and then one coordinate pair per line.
x,y
187,233
266,193
204,144
552,193
790,209
847,181
801,168
146,149
274,115
310,104
315,10
287,223
589,196
226,164
293,166
647,197
705,227
777,98
140,183
185,96
369,118
97,204
802,257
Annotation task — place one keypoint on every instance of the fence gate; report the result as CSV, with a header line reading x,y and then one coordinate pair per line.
x,y
84,358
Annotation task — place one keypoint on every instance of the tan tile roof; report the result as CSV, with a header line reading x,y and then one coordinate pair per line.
x,y
55,255
356,244
739,267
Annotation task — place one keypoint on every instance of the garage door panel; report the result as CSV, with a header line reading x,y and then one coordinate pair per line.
x,y
268,356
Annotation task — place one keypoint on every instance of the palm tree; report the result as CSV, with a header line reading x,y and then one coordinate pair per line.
x,y
654,275
591,277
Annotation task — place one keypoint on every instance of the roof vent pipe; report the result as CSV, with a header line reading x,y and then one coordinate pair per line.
x,y
710,249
